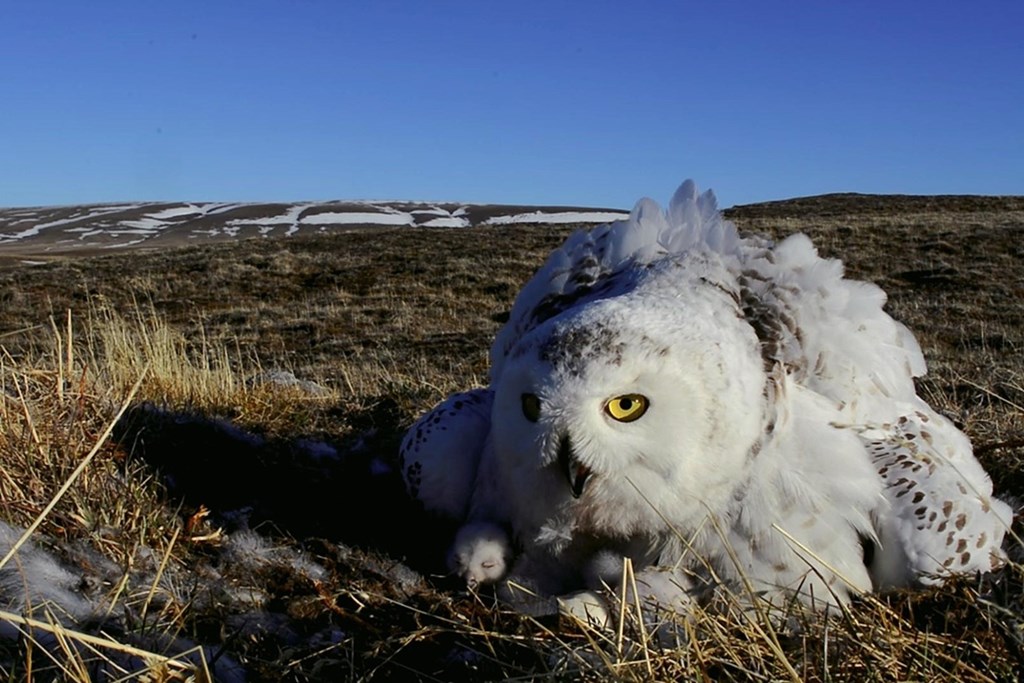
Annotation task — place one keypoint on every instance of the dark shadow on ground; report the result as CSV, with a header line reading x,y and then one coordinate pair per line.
x,y
348,492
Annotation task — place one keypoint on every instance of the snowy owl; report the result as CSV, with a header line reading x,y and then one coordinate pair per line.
x,y
727,408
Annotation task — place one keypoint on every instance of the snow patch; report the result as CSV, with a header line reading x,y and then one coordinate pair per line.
x,y
355,217
175,212
560,217
447,222
145,225
218,208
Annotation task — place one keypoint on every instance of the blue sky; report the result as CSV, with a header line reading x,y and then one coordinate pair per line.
x,y
588,103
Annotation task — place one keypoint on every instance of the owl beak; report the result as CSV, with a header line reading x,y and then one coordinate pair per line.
x,y
575,472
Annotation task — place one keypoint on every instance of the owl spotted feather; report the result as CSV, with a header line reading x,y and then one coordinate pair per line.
x,y
725,408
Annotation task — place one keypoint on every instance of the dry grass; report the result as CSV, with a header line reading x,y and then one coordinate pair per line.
x,y
390,321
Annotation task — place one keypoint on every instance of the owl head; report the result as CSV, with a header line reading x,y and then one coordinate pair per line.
x,y
629,413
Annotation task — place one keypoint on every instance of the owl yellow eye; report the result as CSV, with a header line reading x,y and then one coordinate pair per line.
x,y
531,407
627,408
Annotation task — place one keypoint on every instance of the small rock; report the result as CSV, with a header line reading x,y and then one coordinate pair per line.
x,y
284,378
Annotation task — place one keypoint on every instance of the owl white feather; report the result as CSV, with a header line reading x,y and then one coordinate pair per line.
x,y
734,409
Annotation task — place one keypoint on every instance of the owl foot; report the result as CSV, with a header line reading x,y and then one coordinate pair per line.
x,y
587,607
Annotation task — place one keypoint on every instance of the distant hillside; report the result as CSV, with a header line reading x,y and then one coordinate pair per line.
x,y
41,233
50,231
850,203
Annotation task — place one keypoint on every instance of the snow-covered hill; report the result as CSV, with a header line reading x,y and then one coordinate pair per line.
x,y
87,228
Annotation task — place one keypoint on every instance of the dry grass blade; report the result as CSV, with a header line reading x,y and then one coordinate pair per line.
x,y
24,330
160,572
991,394
95,641
75,474
645,640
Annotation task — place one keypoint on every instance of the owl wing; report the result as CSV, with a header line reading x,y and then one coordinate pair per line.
x,y
941,517
441,452
607,261
832,335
